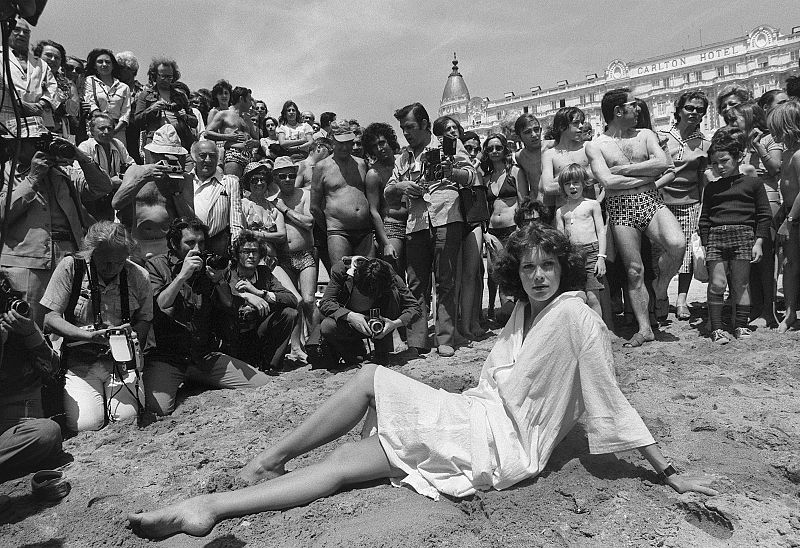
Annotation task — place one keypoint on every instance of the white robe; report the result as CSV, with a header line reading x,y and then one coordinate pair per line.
x,y
529,396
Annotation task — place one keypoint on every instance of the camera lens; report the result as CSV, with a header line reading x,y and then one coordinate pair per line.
x,y
62,150
20,307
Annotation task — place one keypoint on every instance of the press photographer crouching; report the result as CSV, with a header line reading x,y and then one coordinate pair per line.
x,y
101,304
260,314
27,441
47,219
184,280
365,298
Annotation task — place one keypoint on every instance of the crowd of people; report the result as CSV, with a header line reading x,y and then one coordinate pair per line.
x,y
184,231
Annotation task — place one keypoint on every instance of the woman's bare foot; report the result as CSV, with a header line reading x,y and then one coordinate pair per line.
x,y
257,471
192,517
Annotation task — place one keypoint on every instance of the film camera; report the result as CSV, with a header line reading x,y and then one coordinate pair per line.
x,y
55,147
173,168
217,262
10,300
375,322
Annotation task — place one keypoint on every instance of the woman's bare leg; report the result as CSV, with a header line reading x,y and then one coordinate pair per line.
x,y
335,417
351,463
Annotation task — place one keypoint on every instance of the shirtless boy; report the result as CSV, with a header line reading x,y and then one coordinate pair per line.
x,y
339,202
784,124
627,161
529,159
569,149
581,220
296,257
320,149
235,128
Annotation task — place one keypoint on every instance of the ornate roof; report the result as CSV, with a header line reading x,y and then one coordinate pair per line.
x,y
455,89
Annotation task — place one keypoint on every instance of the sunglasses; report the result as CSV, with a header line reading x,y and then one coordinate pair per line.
x,y
496,148
692,108
71,68
286,176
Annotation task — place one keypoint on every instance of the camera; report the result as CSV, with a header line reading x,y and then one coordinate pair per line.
x,y
125,348
248,318
375,322
54,147
173,168
11,300
217,262
433,159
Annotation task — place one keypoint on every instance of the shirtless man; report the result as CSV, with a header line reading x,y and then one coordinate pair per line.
x,y
235,128
321,149
338,201
296,257
783,123
569,149
529,159
627,161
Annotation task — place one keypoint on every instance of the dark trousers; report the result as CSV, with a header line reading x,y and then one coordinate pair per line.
x,y
264,346
434,251
26,441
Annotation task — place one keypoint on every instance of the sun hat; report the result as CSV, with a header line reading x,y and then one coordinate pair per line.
x,y
166,141
283,162
342,133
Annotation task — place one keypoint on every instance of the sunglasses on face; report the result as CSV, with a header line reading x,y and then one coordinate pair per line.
x,y
692,108
285,176
76,70
496,148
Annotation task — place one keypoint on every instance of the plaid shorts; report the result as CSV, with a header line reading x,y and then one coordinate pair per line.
x,y
394,228
296,261
239,156
730,243
636,210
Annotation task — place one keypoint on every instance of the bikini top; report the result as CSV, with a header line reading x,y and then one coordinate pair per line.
x,y
507,190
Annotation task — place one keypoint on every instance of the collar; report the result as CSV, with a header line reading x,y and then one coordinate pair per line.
x,y
676,134
214,179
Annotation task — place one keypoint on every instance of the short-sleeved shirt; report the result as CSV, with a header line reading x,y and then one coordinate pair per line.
x,y
140,295
294,133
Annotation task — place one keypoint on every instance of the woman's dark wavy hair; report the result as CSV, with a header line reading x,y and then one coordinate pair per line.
x,y
247,236
37,50
373,277
486,163
286,105
91,59
375,130
548,240
217,89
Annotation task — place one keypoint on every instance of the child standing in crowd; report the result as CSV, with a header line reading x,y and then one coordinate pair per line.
x,y
734,222
582,221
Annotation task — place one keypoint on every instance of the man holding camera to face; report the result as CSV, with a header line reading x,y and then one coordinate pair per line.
x,y
184,280
365,299
47,218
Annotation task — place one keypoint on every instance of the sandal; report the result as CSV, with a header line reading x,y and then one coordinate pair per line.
x,y
682,312
636,341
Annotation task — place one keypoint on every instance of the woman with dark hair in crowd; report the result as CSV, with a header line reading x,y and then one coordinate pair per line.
x,y
551,365
470,284
771,99
762,159
104,92
55,56
682,185
504,194
220,99
388,216
294,135
269,141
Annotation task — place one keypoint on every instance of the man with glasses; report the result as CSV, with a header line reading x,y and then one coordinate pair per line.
x,y
339,202
162,103
627,161
529,159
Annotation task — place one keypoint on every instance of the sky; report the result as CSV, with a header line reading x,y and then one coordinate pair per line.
x,y
364,59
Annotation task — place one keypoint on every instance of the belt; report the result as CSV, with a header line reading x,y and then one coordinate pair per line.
x,y
61,236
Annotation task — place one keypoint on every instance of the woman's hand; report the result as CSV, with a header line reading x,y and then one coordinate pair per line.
x,y
683,484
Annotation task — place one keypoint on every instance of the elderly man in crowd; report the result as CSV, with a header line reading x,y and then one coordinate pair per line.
x,y
112,157
36,85
47,219
128,69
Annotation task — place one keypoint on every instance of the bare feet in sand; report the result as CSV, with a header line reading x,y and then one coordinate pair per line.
x,y
256,471
192,517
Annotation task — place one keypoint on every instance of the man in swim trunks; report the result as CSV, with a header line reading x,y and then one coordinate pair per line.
x,y
236,129
627,161
339,202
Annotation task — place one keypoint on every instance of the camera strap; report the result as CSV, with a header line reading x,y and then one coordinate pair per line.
x,y
94,288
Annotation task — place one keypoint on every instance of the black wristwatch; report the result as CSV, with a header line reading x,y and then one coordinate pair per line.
x,y
665,473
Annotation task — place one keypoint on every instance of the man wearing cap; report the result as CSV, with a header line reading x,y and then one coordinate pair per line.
x,y
338,201
435,225
47,218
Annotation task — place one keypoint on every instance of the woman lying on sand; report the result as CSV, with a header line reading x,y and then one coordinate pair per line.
x,y
551,365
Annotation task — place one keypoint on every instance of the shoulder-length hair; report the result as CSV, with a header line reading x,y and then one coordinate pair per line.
x,y
286,105
784,123
563,118
152,70
91,59
247,236
375,130
440,125
112,235
217,89
548,240
37,50
486,163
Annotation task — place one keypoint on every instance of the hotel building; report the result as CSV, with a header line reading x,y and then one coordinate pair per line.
x,y
759,61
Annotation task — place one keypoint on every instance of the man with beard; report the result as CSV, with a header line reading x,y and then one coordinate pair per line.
x,y
627,161
338,201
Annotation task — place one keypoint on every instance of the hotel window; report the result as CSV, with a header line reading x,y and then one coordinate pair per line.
x,y
698,75
592,98
732,68
562,103
658,83
720,71
795,55
553,105
525,110
582,99
763,62
692,76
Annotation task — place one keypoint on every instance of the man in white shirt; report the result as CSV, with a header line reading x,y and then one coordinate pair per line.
x,y
35,83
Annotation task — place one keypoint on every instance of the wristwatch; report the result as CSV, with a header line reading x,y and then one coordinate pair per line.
x,y
790,219
665,473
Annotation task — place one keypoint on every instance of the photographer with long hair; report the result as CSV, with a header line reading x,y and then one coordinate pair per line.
x,y
184,280
47,219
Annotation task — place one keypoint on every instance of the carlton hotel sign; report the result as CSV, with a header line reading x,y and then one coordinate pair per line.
x,y
758,38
